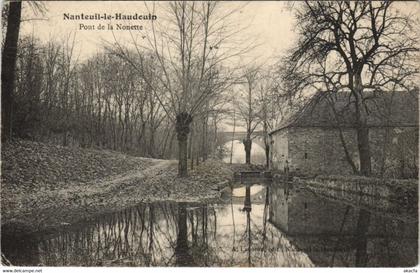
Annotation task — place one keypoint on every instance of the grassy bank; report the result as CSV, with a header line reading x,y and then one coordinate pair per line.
x,y
46,186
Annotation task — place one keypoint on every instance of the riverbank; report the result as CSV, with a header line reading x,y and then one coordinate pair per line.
x,y
47,186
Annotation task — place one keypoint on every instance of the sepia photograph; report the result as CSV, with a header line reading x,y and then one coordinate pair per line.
x,y
220,134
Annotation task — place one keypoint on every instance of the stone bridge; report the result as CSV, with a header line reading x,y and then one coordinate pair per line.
x,y
257,137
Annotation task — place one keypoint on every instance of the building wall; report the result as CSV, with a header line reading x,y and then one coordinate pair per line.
x,y
319,151
312,151
279,150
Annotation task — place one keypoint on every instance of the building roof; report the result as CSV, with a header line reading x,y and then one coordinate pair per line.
x,y
385,109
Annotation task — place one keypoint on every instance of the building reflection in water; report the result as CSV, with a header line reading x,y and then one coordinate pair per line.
x,y
337,234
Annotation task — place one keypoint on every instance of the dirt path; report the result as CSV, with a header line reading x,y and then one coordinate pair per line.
x,y
115,184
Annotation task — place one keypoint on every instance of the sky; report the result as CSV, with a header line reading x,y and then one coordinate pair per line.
x,y
269,24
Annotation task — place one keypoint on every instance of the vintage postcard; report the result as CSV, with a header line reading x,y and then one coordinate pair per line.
x,y
227,134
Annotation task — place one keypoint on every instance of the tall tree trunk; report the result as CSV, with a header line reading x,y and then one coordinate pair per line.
x,y
233,136
214,145
152,152
267,155
65,141
205,137
266,144
170,148
8,67
248,145
182,157
362,129
162,151
364,151
183,121
191,147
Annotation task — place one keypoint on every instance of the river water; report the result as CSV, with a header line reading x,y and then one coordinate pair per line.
x,y
277,225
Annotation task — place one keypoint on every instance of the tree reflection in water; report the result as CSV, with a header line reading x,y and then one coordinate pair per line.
x,y
247,208
361,238
183,257
278,226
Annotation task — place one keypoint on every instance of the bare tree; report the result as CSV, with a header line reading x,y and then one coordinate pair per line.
x,y
355,47
28,88
267,108
8,66
246,104
190,47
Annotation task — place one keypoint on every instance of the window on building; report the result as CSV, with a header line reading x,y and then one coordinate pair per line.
x,y
306,155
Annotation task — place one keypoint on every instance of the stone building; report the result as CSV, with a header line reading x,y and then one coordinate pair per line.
x,y
313,140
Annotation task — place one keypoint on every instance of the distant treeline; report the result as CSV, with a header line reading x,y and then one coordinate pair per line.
x,y
101,102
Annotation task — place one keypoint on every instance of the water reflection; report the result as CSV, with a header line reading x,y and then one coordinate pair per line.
x,y
236,149
183,257
277,225
337,234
